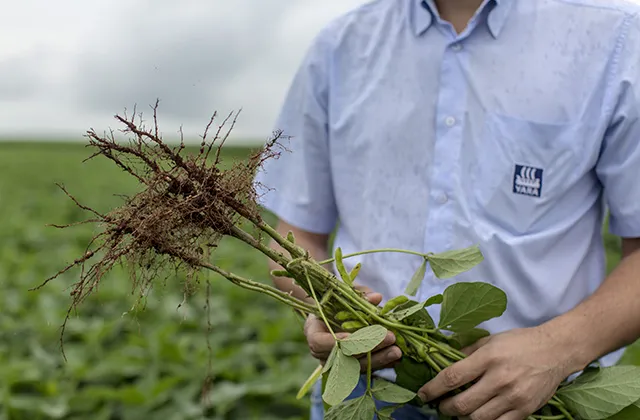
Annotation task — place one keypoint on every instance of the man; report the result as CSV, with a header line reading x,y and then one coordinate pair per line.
x,y
511,124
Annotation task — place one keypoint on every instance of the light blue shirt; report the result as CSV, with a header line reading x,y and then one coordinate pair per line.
x,y
515,135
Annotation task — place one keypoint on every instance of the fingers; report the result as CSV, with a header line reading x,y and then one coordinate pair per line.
x,y
453,377
373,297
389,340
493,409
321,344
383,355
313,325
511,415
319,338
479,400
381,359
469,350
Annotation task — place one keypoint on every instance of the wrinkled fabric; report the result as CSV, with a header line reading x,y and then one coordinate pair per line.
x,y
516,135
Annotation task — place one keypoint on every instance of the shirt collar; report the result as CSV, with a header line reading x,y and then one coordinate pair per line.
x,y
496,12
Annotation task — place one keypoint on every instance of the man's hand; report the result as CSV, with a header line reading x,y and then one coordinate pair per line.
x,y
517,372
321,341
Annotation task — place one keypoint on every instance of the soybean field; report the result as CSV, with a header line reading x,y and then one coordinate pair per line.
x,y
199,349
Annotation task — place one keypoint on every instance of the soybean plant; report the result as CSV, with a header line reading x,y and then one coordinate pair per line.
x,y
187,203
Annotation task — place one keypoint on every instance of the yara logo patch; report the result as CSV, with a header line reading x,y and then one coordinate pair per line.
x,y
527,180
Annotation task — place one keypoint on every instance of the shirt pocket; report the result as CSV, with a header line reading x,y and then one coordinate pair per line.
x,y
521,168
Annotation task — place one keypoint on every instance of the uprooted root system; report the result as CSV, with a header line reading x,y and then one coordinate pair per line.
x,y
186,203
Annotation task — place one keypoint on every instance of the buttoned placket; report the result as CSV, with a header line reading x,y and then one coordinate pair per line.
x,y
449,130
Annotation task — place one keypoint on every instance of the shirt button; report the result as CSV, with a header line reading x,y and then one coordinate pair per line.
x,y
442,198
450,121
456,47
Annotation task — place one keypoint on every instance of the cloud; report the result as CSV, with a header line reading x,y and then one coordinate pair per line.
x,y
20,79
76,64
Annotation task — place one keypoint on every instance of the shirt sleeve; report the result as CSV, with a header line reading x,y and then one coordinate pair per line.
x,y
297,186
618,167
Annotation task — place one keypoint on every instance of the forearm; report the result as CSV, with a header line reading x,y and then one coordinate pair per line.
x,y
607,320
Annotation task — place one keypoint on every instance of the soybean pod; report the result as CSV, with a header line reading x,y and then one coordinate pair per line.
x,y
393,303
354,272
340,266
344,316
352,325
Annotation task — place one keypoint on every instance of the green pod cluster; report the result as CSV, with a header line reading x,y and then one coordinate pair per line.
x,y
352,325
344,316
352,315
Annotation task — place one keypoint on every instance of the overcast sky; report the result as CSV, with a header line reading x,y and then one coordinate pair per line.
x,y
70,65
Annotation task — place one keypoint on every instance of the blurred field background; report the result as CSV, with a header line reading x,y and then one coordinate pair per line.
x,y
123,362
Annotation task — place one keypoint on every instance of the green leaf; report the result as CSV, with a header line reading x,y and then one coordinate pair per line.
x,y
451,263
310,382
405,313
632,412
631,355
466,305
325,377
599,394
364,340
391,393
343,379
416,280
412,375
420,319
361,408
467,338
331,359
434,300
386,412
410,308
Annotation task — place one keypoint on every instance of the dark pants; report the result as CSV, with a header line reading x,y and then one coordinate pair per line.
x,y
407,412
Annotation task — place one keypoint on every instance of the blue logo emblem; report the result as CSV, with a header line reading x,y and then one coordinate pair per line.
x,y
527,180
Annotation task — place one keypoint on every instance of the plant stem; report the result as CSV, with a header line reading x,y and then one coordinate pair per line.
x,y
385,322
263,288
274,255
560,406
450,352
315,298
438,358
433,364
373,251
291,248
350,309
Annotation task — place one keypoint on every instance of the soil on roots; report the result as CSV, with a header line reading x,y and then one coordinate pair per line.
x,y
186,204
